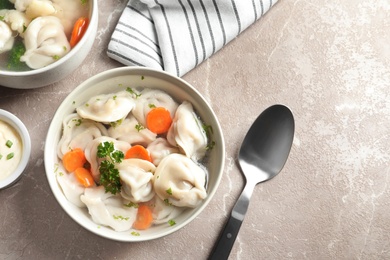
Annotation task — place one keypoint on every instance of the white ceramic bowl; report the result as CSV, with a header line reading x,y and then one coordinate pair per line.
x,y
60,69
21,129
109,82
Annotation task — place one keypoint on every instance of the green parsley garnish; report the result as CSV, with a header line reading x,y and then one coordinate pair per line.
x,y
1,156
120,217
109,175
152,106
78,121
166,201
132,204
10,156
169,191
142,77
139,127
209,131
171,222
135,234
116,123
9,143
131,91
56,57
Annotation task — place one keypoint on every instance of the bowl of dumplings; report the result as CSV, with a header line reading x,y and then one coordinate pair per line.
x,y
42,42
134,154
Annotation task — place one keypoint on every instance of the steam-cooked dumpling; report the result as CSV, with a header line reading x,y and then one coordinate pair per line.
x,y
45,42
180,180
21,5
160,148
68,12
136,176
16,20
130,131
108,210
78,133
107,108
38,8
6,39
71,187
163,211
152,98
94,160
187,132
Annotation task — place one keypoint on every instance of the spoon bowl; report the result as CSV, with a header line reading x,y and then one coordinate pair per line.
x,y
262,155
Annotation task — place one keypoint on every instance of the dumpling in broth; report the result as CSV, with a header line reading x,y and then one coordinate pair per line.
x,y
136,177
108,210
71,187
107,108
160,148
187,132
17,21
45,42
150,98
130,131
78,133
163,212
6,38
179,180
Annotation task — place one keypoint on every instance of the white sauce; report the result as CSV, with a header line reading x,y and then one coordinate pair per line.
x,y
7,166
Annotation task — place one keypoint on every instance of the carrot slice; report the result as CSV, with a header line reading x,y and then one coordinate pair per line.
x,y
79,28
74,159
158,120
139,152
144,218
84,176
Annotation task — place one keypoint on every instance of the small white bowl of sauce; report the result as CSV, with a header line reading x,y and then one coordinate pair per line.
x,y
15,148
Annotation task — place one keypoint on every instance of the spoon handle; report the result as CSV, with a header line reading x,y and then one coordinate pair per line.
x,y
226,239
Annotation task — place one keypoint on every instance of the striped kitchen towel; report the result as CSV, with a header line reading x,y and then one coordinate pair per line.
x,y
177,35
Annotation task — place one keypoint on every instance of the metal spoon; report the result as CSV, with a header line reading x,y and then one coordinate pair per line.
x,y
262,156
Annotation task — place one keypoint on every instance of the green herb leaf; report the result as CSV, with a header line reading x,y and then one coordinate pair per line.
x,y
9,143
169,191
10,156
139,127
171,222
109,175
135,234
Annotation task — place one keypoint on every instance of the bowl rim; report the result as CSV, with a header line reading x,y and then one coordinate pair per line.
x,y
93,16
18,125
113,73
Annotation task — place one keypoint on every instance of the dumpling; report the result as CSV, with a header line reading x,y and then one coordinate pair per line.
x,y
131,131
150,98
180,181
107,108
187,132
136,177
38,8
163,211
45,42
17,21
71,187
78,133
109,210
94,160
6,39
21,5
160,148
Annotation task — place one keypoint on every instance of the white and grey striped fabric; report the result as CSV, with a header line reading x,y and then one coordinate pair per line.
x,y
177,35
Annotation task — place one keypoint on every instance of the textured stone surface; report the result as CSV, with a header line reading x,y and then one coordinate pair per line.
x,y
329,61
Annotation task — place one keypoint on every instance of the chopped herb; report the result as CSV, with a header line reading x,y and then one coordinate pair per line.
x,y
9,143
131,91
10,156
74,102
142,77
116,123
132,204
1,156
171,222
166,201
109,175
86,104
135,234
65,48
152,106
120,217
24,28
16,52
56,57
114,97
78,121
209,131
169,191
139,127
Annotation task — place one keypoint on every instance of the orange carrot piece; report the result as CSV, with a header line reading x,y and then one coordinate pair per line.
x,y
144,218
139,152
84,176
79,28
74,159
158,120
